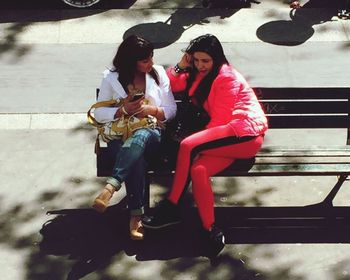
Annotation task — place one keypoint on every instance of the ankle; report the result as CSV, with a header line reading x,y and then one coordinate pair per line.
x,y
136,228
171,201
113,183
209,228
110,188
135,218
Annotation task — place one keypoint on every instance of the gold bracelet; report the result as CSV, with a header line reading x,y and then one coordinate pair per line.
x,y
124,111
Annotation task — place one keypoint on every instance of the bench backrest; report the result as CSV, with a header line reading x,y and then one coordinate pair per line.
x,y
306,107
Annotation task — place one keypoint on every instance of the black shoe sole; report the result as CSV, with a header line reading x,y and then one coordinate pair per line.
x,y
214,247
213,253
161,226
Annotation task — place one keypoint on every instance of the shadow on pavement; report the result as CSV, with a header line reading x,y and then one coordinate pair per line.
x,y
299,28
92,239
22,14
163,34
59,4
302,224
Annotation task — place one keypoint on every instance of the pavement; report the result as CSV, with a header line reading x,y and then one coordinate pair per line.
x,y
51,61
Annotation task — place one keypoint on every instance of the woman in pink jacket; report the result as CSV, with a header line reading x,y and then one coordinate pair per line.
x,y
235,131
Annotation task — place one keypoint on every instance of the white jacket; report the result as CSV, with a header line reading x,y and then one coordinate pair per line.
x,y
157,95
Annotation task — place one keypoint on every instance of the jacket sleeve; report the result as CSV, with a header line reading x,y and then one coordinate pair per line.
x,y
222,100
167,98
107,92
178,83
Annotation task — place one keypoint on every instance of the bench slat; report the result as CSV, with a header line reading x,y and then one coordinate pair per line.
x,y
291,169
302,93
300,159
294,151
305,107
312,121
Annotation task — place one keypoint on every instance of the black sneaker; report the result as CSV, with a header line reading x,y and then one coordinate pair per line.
x,y
166,214
215,242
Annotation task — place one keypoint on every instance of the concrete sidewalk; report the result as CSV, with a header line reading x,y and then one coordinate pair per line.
x,y
49,74
53,66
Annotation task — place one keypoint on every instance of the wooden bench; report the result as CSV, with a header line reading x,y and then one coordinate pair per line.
x,y
288,108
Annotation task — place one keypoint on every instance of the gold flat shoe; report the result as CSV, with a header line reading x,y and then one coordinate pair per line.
x,y
101,202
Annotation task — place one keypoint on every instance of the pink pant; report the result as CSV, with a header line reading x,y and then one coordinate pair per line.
x,y
203,155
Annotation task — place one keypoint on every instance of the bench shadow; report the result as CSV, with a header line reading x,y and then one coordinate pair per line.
x,y
299,224
299,28
92,239
163,34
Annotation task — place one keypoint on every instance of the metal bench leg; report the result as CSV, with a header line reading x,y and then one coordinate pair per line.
x,y
328,201
147,191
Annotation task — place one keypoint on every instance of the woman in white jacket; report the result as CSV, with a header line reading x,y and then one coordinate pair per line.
x,y
133,71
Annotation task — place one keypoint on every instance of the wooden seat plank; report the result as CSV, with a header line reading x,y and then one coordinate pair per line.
x,y
291,169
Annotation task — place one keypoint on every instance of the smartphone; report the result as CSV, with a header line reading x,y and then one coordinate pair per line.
x,y
137,96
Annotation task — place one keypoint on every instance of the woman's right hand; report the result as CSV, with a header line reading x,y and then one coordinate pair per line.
x,y
186,61
131,107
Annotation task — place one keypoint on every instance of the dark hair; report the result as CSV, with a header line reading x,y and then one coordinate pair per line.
x,y
211,45
131,50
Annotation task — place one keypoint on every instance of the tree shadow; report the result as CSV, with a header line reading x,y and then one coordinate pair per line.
x,y
163,34
299,28
229,4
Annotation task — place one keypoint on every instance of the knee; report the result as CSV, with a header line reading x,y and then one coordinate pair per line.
x,y
198,171
139,138
141,134
186,146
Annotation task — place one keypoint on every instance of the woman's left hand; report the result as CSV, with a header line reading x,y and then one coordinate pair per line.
x,y
153,111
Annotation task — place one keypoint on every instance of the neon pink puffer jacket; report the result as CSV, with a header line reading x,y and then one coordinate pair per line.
x,y
231,101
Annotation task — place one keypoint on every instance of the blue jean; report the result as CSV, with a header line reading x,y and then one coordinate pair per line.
x,y
131,165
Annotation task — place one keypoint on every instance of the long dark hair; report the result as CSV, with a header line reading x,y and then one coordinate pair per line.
x,y
131,50
211,45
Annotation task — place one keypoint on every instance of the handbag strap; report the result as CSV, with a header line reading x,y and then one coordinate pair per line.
x,y
109,103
